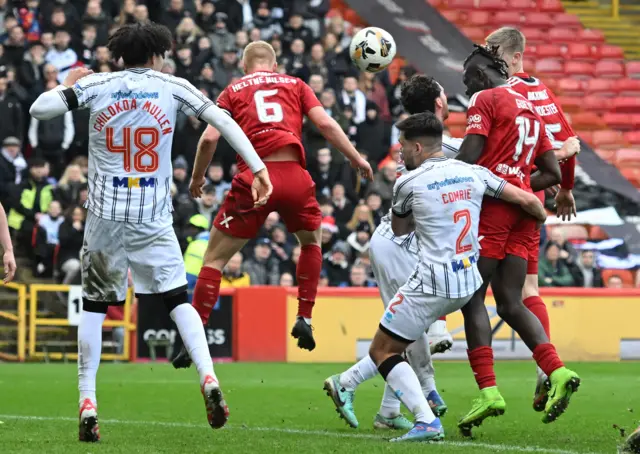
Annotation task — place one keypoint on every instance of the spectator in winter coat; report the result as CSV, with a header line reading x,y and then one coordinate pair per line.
x,y
71,236
263,20
12,123
261,267
324,174
372,135
342,207
552,270
295,29
336,265
590,275
13,169
383,182
67,192
221,38
358,277
352,96
62,56
232,274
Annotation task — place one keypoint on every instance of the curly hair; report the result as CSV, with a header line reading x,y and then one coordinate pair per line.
x,y
138,43
419,93
491,54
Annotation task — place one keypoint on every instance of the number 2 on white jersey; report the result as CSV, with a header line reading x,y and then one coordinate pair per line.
x,y
459,216
524,128
268,112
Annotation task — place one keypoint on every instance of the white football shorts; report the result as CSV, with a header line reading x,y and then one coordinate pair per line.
x,y
111,248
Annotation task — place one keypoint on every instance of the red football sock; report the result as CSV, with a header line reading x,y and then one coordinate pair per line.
x,y
443,318
547,358
481,360
539,309
308,275
206,293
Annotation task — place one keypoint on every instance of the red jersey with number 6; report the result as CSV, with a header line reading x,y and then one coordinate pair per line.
x,y
269,107
556,125
514,132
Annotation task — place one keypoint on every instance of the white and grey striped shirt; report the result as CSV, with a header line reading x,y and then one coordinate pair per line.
x,y
131,127
450,148
445,196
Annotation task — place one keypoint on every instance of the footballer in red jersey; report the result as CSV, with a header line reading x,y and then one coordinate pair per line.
x,y
511,45
269,107
506,135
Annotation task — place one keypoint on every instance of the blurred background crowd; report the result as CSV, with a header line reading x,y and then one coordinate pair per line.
x,y
43,164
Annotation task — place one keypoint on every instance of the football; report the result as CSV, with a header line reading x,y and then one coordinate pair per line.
x,y
372,49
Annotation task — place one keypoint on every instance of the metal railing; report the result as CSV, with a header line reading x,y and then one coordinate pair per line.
x,y
20,318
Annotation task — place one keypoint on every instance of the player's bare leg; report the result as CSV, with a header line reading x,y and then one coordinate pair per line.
x,y
533,302
205,295
506,284
307,274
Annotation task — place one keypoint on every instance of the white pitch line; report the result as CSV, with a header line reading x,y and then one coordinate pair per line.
x,y
466,444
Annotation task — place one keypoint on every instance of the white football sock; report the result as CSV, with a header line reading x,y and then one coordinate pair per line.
x,y
89,351
405,383
438,328
361,371
191,330
419,357
390,406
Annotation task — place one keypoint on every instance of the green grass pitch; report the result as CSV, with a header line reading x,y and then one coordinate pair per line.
x,y
281,408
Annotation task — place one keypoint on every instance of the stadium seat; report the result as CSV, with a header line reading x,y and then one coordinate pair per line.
x,y
551,83
632,174
451,15
579,69
571,87
632,138
586,136
607,139
606,154
529,62
534,35
537,19
633,69
580,51
549,51
597,104
589,36
627,87
457,131
626,104
457,119
587,120
492,5
549,66
436,3
550,6
523,5
566,20
606,51
478,18
625,275
597,233
460,4
601,87
503,18
475,34
609,68
628,157
623,122
562,35
571,104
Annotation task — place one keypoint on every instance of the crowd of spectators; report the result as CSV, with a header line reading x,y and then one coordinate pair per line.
x,y
43,164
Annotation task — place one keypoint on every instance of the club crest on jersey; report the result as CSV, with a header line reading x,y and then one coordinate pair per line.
x,y
133,182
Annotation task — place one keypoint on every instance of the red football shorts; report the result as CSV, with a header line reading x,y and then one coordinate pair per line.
x,y
293,197
534,250
505,229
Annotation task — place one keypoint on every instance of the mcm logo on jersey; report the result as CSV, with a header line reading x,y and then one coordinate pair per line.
x,y
457,265
133,182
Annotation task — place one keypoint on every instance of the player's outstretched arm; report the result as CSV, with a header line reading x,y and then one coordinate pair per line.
x,y
331,130
529,202
61,99
548,173
471,148
8,259
204,154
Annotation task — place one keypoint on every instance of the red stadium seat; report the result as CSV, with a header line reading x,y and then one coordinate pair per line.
x,y
549,66
567,20
587,120
632,138
493,5
563,35
580,51
523,5
590,36
623,122
550,6
457,119
549,51
606,51
625,275
597,233
436,3
633,69
452,15
609,68
595,103
627,87
586,135
626,104
571,87
607,139
457,131
632,174
502,18
628,157
536,19
601,87
459,4
534,35
551,83
475,34
570,104
579,69
478,18
606,154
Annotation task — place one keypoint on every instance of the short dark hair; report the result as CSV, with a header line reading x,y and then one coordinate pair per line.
x,y
492,56
419,93
137,43
36,162
424,124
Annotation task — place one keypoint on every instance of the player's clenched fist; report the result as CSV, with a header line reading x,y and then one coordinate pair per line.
x,y
363,167
261,188
195,186
75,75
